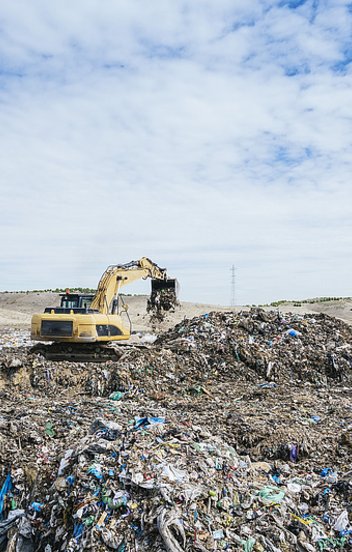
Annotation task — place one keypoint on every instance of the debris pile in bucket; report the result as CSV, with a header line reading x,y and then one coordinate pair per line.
x,y
160,303
195,443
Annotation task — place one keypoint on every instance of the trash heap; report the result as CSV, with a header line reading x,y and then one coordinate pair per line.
x,y
267,344
160,485
231,432
11,337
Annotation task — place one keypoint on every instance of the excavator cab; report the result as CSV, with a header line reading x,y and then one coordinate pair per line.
x,y
76,302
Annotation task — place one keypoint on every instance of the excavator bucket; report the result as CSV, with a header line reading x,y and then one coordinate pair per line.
x,y
163,296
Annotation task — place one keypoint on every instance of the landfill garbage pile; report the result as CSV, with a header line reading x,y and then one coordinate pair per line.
x,y
186,445
10,337
268,344
161,484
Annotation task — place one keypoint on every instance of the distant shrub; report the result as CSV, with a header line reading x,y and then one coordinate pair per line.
x,y
309,301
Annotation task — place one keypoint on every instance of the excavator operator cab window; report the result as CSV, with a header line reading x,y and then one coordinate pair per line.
x,y
76,301
69,301
69,304
85,301
107,330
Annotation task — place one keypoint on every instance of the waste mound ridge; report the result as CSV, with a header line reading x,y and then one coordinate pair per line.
x,y
255,346
267,344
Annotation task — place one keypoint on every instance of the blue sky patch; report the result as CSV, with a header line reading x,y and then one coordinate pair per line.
x,y
163,50
342,65
285,156
293,71
293,4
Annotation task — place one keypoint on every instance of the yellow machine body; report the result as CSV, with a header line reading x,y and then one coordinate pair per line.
x,y
78,328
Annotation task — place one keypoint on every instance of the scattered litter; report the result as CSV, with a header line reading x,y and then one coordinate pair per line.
x,y
205,441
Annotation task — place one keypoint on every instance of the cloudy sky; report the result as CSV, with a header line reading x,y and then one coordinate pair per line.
x,y
201,134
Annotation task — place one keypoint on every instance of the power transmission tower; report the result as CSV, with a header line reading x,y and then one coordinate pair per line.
x,y
233,286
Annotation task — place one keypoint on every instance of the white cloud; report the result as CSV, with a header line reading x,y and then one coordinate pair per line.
x,y
175,131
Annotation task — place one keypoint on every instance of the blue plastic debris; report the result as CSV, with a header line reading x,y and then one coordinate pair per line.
x,y
96,471
293,453
37,506
276,478
293,333
7,486
70,479
146,422
78,530
330,475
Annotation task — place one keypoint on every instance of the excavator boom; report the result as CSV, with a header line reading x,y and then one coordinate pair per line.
x,y
117,276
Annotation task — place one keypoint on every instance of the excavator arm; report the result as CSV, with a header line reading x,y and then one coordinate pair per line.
x,y
117,276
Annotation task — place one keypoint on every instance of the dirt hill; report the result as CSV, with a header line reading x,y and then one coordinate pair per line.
x,y
16,309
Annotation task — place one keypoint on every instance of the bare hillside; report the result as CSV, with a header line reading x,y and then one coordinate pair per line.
x,y
16,310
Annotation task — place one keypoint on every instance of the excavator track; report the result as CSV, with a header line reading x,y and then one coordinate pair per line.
x,y
76,352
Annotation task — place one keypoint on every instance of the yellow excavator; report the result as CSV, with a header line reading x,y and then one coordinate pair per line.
x,y
83,325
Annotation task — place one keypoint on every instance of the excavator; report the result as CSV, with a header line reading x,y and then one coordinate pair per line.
x,y
84,326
